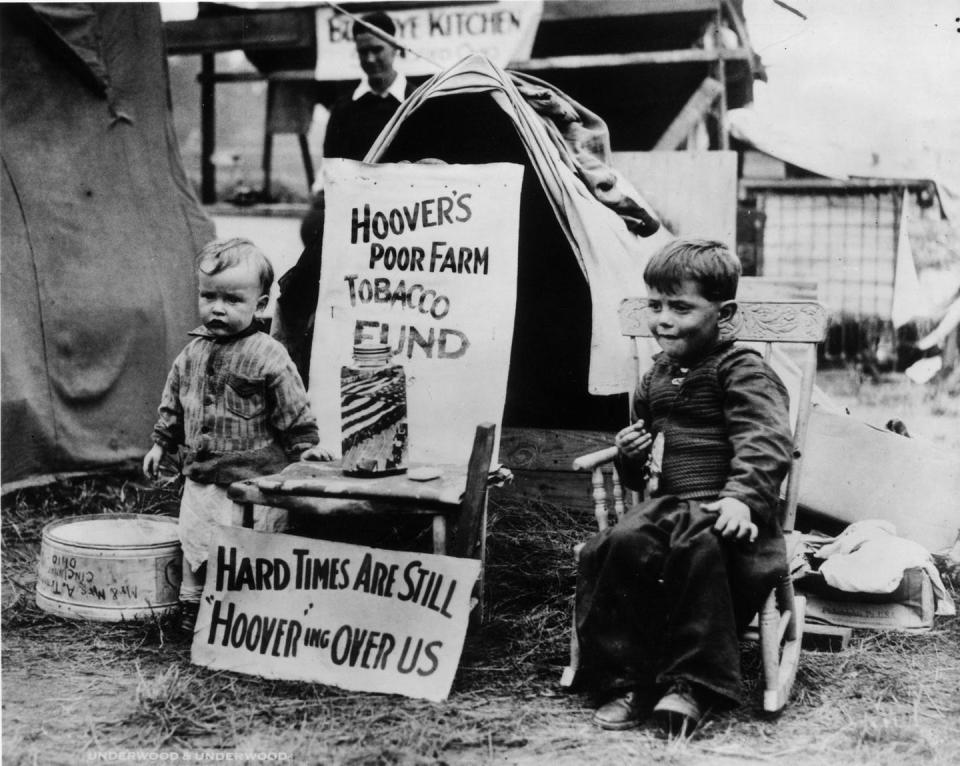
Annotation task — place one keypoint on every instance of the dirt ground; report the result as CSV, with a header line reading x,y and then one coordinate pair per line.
x,y
81,692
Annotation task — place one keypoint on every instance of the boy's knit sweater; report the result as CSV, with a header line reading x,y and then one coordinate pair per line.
x,y
726,428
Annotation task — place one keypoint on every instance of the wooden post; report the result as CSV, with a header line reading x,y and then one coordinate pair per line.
x,y
722,77
208,124
267,163
696,107
722,104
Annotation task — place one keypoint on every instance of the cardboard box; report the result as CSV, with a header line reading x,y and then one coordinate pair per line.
x,y
910,607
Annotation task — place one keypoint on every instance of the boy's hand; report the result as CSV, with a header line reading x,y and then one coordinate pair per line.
x,y
633,440
319,453
151,462
734,521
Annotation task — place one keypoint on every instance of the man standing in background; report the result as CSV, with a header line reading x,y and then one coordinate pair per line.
x,y
357,119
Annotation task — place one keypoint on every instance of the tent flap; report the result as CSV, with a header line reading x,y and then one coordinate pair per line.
x,y
73,29
100,229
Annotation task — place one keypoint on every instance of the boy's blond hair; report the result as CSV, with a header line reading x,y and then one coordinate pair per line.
x,y
223,253
707,262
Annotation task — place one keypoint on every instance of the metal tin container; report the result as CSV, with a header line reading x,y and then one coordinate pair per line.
x,y
109,567
373,409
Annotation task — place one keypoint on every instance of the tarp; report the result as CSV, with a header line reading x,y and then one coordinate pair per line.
x,y
602,217
99,229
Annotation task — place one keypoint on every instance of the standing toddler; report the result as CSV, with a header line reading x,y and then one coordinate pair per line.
x,y
235,404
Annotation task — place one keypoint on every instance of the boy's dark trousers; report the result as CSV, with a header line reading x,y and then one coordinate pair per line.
x,y
656,599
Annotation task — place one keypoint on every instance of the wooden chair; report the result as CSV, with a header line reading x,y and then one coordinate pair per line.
x,y
779,625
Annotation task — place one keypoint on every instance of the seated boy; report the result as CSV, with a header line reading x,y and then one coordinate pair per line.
x,y
662,596
234,400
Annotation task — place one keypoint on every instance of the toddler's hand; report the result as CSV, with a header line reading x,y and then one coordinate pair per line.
x,y
151,461
319,453
633,440
734,520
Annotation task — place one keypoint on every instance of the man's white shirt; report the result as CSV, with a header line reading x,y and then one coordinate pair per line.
x,y
397,89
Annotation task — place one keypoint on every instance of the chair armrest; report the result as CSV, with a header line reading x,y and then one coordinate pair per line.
x,y
594,459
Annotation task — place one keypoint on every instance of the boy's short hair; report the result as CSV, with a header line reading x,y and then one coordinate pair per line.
x,y
223,253
377,19
707,262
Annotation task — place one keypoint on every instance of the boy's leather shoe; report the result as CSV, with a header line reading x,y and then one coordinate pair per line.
x,y
623,712
679,712
188,618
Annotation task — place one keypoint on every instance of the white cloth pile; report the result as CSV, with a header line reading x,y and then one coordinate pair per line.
x,y
868,557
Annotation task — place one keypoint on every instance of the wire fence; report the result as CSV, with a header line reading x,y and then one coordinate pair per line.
x,y
845,240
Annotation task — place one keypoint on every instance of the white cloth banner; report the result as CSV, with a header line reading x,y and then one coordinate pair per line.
x,y
503,32
423,258
360,618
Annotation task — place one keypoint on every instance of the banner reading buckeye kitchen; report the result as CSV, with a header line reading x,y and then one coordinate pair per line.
x,y
423,258
441,34
365,619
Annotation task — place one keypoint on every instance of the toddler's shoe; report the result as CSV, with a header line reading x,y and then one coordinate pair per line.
x,y
680,711
622,712
188,617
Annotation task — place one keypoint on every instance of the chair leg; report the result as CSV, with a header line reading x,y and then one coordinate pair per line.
x,y
793,639
439,535
569,676
769,620
781,635
482,582
478,597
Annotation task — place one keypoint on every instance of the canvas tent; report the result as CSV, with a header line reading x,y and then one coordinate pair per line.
x,y
99,228
582,246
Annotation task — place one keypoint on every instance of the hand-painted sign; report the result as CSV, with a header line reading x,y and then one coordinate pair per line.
x,y
359,618
421,257
503,32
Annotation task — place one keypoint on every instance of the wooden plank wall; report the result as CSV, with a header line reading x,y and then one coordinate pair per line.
x,y
695,193
541,461
690,116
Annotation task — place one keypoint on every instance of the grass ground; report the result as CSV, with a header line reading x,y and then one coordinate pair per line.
x,y
72,689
